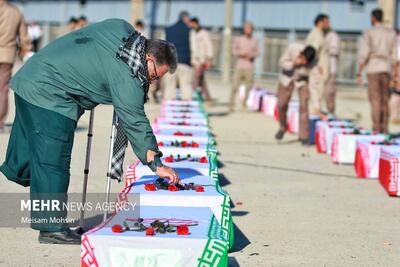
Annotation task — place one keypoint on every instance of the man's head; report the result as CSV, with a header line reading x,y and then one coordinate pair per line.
x,y
184,17
248,28
82,21
308,55
322,22
376,16
72,23
194,23
161,58
139,25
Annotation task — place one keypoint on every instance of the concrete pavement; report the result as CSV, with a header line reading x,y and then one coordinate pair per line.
x,y
293,207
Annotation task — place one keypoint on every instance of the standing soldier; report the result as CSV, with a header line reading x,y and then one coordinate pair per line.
x,y
319,74
246,49
333,44
201,57
296,64
394,102
13,27
379,55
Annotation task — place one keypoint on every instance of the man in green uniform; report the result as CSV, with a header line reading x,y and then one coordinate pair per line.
x,y
105,63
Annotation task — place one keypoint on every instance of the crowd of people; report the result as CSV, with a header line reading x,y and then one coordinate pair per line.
x,y
195,55
310,66
77,23
312,69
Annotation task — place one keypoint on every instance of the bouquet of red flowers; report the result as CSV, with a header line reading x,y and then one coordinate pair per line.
x,y
179,133
171,159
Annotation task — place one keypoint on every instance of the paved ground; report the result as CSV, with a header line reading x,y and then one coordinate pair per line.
x,y
293,206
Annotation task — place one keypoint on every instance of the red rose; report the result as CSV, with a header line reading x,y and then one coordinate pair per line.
x,y
184,144
182,230
178,133
150,231
169,159
203,160
373,143
194,144
172,188
199,188
160,143
149,187
116,228
185,124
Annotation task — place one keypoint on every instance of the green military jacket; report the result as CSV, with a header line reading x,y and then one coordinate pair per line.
x,y
79,71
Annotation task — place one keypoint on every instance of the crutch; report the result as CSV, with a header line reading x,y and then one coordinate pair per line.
x,y
80,229
112,140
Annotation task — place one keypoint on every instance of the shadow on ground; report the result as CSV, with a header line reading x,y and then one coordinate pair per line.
x,y
221,104
239,213
232,262
288,142
220,165
218,114
223,181
241,241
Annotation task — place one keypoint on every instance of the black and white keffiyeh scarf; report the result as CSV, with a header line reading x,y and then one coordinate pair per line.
x,y
133,53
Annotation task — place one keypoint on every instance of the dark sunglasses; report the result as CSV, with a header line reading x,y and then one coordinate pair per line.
x,y
155,71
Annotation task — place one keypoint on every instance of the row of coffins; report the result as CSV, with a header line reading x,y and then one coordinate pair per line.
x,y
373,155
267,102
184,224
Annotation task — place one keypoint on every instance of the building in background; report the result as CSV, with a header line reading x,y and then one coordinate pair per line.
x,y
277,23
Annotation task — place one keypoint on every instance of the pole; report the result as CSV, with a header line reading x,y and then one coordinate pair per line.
x,y
227,59
154,6
112,139
136,10
389,12
86,170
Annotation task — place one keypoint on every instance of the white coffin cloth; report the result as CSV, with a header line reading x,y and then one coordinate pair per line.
x,y
199,121
344,146
205,244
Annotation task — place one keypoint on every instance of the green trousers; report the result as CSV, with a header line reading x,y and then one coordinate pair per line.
x,y
39,156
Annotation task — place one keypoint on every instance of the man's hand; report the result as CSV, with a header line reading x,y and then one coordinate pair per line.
x,y
167,172
359,74
393,82
359,79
